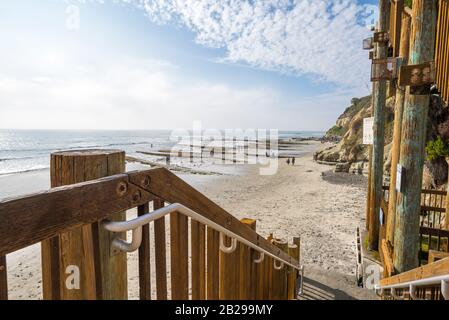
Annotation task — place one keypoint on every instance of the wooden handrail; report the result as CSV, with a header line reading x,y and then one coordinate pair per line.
x,y
33,218
439,268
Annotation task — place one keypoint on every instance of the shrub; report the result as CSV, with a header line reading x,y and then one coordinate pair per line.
x,y
437,148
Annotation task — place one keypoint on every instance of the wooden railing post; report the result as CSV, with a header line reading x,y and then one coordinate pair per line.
x,y
179,251
103,272
380,88
295,251
160,257
280,276
198,239
229,273
414,128
397,130
213,265
247,283
3,279
144,257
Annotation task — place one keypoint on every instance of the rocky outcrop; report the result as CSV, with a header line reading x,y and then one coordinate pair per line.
x,y
352,156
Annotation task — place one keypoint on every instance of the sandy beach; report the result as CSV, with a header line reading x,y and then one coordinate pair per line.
x,y
306,200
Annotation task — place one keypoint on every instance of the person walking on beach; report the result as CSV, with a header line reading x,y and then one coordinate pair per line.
x,y
288,161
293,161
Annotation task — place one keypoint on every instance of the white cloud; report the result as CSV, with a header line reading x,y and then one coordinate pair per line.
x,y
319,38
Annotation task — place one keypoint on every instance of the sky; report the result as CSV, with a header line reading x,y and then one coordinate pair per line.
x,y
163,64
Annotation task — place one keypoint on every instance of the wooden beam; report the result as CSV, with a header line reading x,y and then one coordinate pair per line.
x,y
380,90
198,238
414,128
169,187
438,268
179,251
144,257
213,266
387,260
33,218
397,130
160,252
247,267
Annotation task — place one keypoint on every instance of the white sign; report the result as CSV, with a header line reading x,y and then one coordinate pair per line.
x,y
399,178
368,132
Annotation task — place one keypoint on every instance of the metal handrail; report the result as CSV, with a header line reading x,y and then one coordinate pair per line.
x,y
412,285
137,224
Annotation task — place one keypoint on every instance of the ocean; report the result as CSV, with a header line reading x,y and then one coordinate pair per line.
x,y
29,150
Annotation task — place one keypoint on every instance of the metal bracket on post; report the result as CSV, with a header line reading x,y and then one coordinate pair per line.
x,y
381,38
419,77
384,69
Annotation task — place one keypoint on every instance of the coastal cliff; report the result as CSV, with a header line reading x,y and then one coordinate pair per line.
x,y
350,155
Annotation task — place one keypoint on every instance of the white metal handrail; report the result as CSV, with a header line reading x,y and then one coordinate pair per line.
x,y
137,224
411,286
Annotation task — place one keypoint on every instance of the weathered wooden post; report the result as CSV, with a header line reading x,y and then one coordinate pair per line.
x,y
102,271
229,273
414,124
446,214
293,251
380,90
280,275
395,151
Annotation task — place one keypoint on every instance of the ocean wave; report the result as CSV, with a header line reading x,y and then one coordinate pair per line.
x,y
8,173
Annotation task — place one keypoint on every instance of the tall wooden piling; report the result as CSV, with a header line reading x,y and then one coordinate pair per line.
x,y
414,123
3,279
380,90
103,272
395,151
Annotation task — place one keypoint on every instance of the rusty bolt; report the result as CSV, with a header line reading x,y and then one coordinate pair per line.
x,y
146,181
122,188
136,196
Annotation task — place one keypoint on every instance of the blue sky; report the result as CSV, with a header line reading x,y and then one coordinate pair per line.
x,y
141,64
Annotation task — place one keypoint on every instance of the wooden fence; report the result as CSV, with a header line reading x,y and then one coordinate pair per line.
x,y
442,50
212,273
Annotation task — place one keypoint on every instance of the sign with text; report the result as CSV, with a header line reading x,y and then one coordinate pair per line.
x,y
399,178
384,69
368,130
381,37
417,75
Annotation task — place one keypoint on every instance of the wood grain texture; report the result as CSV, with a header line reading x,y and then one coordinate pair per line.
x,y
406,235
247,281
198,239
229,273
170,188
179,251
213,275
160,246
144,257
76,247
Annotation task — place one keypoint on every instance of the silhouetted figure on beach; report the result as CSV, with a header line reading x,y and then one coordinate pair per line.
x,y
293,161
167,160
288,161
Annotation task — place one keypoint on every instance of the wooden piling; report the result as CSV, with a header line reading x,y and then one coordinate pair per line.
x,y
413,138
395,151
103,272
380,88
293,251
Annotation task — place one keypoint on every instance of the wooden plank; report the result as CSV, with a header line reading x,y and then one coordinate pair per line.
x,y
229,273
3,279
438,268
160,253
198,238
437,255
213,275
43,215
247,282
169,187
179,251
293,250
387,260
144,257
